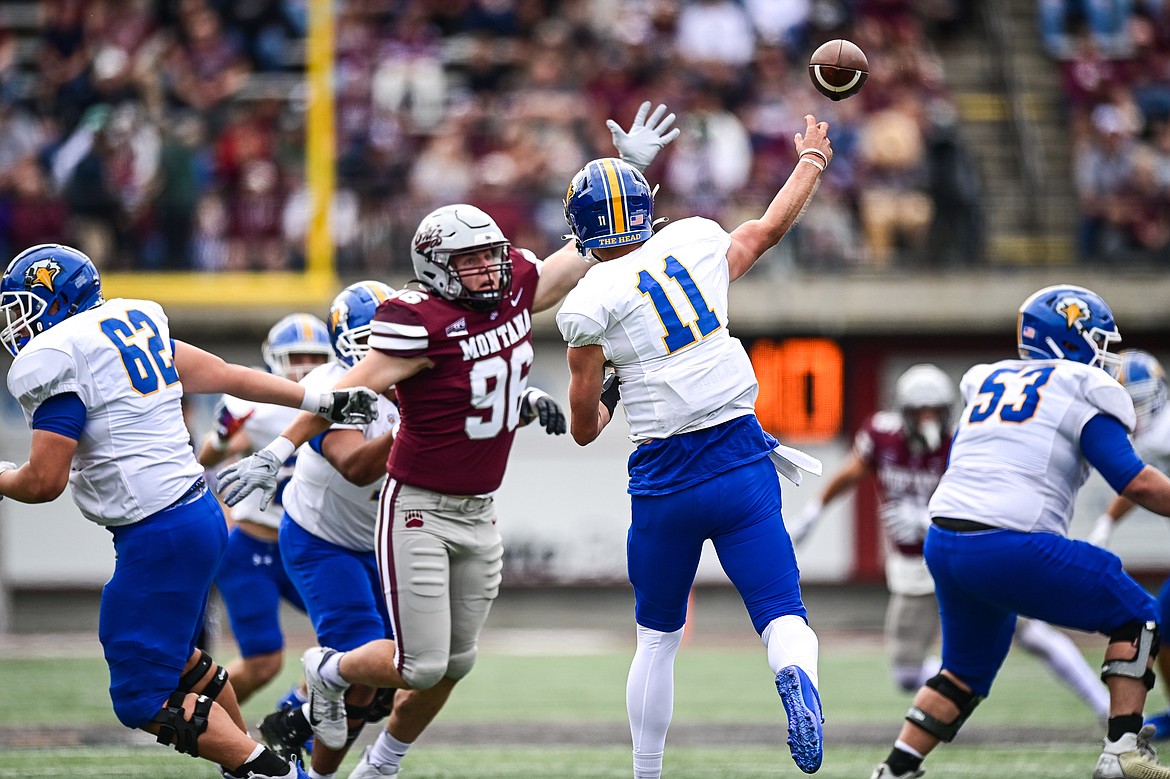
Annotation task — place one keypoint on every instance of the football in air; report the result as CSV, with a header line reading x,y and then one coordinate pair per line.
x,y
838,69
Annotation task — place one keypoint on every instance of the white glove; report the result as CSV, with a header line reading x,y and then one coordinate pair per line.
x,y
1102,531
905,522
802,525
645,139
353,406
256,472
6,465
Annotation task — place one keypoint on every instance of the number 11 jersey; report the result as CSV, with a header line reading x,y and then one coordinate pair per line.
x,y
460,416
1016,459
660,315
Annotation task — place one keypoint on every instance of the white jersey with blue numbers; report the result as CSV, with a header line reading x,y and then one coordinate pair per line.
x,y
134,456
660,315
1016,460
266,423
320,499
1152,442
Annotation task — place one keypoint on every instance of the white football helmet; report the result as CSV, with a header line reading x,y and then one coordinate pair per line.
x,y
453,230
922,387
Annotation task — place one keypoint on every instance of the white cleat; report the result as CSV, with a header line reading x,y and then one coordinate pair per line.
x,y
1131,757
883,772
367,770
326,702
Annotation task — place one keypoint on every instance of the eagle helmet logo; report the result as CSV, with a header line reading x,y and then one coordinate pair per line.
x,y
1074,310
43,273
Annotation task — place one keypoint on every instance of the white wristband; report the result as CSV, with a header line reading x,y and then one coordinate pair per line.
x,y
817,152
316,402
281,448
814,163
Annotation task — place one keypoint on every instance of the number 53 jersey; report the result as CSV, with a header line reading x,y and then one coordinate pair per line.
x,y
1016,459
660,315
134,456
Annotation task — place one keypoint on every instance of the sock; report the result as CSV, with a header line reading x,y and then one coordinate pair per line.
x,y
388,750
647,766
790,641
314,775
1065,661
902,745
330,671
902,762
650,697
1122,724
292,699
262,761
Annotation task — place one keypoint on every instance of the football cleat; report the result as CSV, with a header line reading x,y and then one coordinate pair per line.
x,y
883,772
326,702
802,704
286,732
367,770
1131,757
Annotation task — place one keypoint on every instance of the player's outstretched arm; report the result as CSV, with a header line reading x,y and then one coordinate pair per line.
x,y
844,480
559,273
750,240
46,474
588,415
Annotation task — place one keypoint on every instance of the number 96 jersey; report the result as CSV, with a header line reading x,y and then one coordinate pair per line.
x,y
1016,460
460,416
660,315
134,456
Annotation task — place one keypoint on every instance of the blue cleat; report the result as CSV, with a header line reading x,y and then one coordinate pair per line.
x,y
1161,723
802,704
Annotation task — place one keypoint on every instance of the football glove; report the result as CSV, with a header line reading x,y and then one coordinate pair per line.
x,y
611,392
353,406
645,139
536,403
1102,531
255,472
6,465
905,522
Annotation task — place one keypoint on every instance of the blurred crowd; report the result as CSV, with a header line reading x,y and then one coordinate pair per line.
x,y
169,134
1115,60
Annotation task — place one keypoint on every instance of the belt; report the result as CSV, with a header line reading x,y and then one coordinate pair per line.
x,y
962,525
193,491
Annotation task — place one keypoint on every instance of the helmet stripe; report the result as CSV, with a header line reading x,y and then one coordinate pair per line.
x,y
617,200
306,328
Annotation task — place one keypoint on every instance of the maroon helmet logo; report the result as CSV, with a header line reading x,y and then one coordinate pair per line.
x,y
425,242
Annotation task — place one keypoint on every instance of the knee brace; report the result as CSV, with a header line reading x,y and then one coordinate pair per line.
x,y
178,731
214,686
1145,637
965,701
381,706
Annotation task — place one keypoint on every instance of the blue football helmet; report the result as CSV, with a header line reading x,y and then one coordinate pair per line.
x,y
1065,322
1144,379
43,286
350,316
296,334
609,204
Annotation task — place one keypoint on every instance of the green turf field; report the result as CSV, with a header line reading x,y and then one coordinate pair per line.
x,y
539,716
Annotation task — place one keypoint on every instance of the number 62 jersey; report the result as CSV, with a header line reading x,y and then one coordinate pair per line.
x,y
134,456
1016,460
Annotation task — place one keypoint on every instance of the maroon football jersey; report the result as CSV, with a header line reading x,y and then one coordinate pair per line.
x,y
459,417
903,474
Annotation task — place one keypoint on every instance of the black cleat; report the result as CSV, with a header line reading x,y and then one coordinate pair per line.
x,y
285,732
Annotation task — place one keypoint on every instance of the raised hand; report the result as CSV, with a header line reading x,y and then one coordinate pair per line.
x,y
814,145
646,138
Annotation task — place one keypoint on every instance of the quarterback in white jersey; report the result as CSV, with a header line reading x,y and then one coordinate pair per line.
x,y
1144,379
998,544
654,308
251,579
101,383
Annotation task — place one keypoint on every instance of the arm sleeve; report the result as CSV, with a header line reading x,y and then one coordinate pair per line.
x,y
1105,444
63,414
